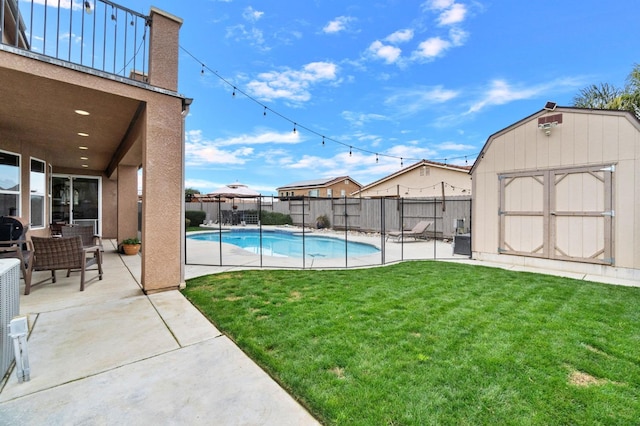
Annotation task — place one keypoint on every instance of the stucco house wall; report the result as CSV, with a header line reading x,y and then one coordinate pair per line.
x,y
560,189
330,188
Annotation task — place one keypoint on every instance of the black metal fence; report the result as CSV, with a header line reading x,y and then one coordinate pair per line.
x,y
386,224
95,33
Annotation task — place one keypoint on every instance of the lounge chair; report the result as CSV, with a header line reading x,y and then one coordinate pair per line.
x,y
418,231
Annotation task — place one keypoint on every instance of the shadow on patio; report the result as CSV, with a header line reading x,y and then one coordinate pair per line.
x,y
112,355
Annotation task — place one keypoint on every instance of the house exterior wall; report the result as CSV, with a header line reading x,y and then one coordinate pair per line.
x,y
155,142
422,182
584,138
336,189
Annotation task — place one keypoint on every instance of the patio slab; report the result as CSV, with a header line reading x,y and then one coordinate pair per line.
x,y
112,355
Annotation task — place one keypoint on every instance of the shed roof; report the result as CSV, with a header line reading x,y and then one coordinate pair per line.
x,y
627,114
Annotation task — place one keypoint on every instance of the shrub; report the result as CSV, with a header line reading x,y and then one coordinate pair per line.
x,y
272,218
187,222
196,217
323,222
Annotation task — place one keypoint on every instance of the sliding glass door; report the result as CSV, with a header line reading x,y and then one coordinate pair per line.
x,y
77,199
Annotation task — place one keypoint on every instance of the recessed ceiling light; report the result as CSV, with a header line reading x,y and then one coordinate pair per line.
x,y
84,158
81,112
83,134
83,147
85,165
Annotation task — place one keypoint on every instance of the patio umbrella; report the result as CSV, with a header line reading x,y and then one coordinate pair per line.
x,y
237,192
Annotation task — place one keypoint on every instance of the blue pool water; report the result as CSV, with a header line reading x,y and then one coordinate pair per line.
x,y
281,243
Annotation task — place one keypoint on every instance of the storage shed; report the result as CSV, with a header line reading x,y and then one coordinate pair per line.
x,y
560,189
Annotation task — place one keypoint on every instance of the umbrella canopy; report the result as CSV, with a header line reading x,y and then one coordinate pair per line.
x,y
237,192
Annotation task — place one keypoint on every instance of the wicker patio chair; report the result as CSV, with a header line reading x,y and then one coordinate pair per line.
x,y
14,245
89,238
51,254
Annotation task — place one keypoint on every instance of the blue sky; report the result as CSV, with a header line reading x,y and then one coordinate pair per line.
x,y
404,79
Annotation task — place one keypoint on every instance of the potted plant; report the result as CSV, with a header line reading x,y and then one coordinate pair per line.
x,y
131,246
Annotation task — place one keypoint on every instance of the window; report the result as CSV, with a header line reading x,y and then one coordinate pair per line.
x,y
343,193
314,193
9,184
425,171
38,190
329,192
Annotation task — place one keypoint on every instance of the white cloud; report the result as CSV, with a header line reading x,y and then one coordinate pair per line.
x,y
400,36
338,24
452,146
414,100
251,15
500,92
431,48
388,53
438,4
253,35
360,119
454,15
200,151
293,85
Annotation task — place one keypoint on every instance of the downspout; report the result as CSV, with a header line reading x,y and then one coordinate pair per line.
x,y
183,231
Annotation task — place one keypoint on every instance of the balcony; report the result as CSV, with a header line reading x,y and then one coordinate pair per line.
x,y
97,34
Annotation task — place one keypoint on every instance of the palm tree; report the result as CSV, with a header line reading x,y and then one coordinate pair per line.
x,y
607,96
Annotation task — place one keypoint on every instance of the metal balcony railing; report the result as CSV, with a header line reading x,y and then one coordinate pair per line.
x,y
94,33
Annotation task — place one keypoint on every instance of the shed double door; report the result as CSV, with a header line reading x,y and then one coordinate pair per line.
x,y
564,214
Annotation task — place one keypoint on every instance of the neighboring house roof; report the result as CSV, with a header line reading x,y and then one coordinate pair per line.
x,y
316,183
413,167
628,114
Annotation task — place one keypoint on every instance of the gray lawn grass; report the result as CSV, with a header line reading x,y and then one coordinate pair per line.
x,y
429,342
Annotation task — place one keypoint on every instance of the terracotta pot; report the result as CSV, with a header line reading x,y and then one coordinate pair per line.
x,y
131,249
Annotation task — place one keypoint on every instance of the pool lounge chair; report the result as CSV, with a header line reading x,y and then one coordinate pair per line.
x,y
418,231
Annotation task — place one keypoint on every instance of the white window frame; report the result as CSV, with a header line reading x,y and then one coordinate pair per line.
x,y
18,192
39,192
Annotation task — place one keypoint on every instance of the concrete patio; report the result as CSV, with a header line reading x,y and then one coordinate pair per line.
x,y
101,356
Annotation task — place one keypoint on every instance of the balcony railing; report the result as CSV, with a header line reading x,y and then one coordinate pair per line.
x,y
94,33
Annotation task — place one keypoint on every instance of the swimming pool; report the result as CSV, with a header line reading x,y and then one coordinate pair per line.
x,y
288,244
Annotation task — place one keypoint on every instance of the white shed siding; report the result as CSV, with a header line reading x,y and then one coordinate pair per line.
x,y
583,138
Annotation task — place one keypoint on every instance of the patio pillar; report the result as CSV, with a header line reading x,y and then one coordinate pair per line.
x,y
127,202
162,195
163,49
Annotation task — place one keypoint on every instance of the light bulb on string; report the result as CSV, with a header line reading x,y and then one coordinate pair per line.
x,y
234,92
202,69
465,160
294,127
349,151
376,158
323,141
401,162
264,112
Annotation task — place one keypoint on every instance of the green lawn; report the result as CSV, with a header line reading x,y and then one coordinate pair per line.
x,y
428,342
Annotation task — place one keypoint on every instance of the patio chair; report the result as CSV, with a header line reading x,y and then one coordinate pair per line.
x,y
89,238
418,231
14,245
51,254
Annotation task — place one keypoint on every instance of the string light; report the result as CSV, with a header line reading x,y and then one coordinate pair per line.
x,y
351,147
323,141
